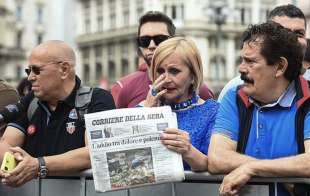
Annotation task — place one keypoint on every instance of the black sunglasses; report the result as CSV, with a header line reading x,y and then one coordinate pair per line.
x,y
33,69
37,70
144,41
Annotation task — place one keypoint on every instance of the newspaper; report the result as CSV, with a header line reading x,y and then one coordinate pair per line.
x,y
126,150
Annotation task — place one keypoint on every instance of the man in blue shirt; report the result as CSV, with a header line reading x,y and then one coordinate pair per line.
x,y
270,68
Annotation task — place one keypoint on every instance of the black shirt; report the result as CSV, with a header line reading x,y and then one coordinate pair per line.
x,y
56,132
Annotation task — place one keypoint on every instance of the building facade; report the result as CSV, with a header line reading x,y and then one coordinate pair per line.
x,y
26,23
22,27
107,30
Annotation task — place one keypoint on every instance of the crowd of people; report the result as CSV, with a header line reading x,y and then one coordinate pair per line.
x,y
259,126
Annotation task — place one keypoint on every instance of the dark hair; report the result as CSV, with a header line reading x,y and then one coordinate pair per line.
x,y
276,42
156,16
288,10
307,54
23,87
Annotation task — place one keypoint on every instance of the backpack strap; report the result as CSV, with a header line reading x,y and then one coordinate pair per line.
x,y
32,108
303,106
82,100
245,109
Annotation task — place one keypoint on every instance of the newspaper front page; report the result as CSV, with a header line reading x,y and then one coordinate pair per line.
x,y
126,150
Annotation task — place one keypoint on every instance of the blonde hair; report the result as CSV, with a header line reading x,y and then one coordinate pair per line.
x,y
187,49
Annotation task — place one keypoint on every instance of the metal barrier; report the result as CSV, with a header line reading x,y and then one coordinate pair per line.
x,y
195,184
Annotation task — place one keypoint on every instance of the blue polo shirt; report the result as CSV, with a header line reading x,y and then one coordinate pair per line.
x,y
272,133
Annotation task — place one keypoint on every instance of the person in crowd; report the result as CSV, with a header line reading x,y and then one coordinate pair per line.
x,y
306,62
8,95
272,93
52,141
290,17
154,27
177,74
24,87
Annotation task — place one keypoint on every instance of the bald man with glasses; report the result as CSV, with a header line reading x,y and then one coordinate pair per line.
x,y
51,141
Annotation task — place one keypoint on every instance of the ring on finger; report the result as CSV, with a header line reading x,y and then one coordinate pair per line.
x,y
153,92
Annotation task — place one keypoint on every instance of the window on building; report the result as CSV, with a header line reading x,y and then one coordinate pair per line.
x,y
124,49
212,42
98,71
137,62
111,71
140,9
19,39
112,10
182,11
87,22
125,56
125,67
125,6
173,12
86,68
217,68
111,51
19,12
86,73
242,15
39,38
100,15
238,43
98,54
247,16
100,23
39,13
165,10
19,72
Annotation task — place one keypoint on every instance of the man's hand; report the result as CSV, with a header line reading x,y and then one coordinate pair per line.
x,y
236,179
26,170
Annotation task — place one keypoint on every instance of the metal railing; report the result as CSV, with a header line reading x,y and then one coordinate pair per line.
x,y
195,184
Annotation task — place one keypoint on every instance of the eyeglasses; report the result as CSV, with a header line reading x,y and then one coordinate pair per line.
x,y
144,41
37,70
33,69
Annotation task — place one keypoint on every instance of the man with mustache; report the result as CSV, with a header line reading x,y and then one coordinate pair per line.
x,y
273,90
290,17
154,28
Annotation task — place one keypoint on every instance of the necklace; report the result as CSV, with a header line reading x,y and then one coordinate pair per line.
x,y
179,106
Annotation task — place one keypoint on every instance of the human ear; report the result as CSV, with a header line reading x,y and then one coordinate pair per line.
x,y
281,66
64,69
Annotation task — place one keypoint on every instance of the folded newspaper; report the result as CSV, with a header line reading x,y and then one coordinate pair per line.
x,y
126,150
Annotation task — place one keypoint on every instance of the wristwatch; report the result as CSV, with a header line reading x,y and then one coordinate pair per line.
x,y
42,173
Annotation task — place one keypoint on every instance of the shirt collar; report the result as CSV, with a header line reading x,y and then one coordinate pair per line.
x,y
70,100
285,100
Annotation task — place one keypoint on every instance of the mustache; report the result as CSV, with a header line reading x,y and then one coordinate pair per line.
x,y
246,79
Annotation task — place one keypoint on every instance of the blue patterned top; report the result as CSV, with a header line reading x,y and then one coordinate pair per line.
x,y
198,122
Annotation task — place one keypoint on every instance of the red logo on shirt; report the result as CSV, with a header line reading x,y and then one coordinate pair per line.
x,y
31,130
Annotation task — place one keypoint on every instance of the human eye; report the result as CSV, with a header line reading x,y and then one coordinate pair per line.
x,y
300,33
160,71
174,71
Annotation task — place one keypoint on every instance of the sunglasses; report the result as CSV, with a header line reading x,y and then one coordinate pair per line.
x,y
144,41
37,70
33,69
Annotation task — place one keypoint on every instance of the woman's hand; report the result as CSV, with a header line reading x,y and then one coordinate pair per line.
x,y
179,141
155,92
176,140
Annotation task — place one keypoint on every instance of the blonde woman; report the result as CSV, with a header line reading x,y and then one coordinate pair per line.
x,y
177,74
